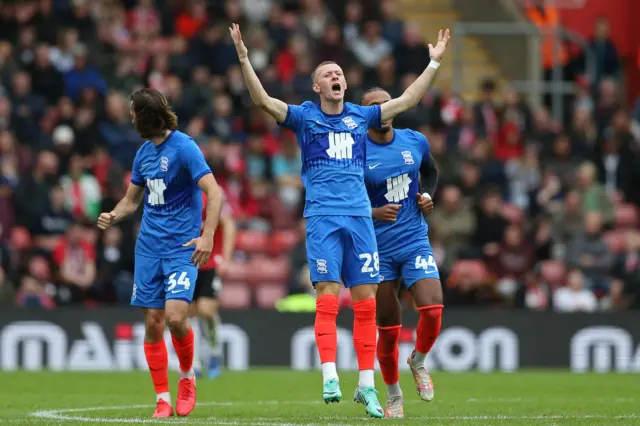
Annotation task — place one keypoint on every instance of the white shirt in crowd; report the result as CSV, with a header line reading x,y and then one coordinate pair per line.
x,y
568,300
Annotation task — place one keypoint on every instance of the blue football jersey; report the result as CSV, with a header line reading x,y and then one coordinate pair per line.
x,y
333,156
392,176
172,200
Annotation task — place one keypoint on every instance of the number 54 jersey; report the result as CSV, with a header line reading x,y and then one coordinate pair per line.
x,y
172,217
392,176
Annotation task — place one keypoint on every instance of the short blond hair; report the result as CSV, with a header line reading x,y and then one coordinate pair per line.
x,y
321,64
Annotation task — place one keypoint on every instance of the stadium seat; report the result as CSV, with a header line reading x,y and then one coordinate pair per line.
x,y
616,240
282,241
267,294
263,269
235,295
237,272
251,241
473,267
553,272
626,216
512,213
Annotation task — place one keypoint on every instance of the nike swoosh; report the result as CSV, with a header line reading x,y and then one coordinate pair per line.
x,y
176,291
373,275
373,166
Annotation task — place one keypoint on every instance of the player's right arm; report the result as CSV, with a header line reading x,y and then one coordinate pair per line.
x,y
275,107
131,200
126,207
386,213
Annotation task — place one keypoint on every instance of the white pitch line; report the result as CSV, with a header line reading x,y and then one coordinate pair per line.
x,y
61,416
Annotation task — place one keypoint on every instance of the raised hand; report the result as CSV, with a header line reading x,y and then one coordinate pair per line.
x,y
236,35
436,52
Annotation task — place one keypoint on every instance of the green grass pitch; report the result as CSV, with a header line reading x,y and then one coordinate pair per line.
x,y
285,397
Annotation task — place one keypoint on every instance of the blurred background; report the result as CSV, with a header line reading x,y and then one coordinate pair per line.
x,y
533,120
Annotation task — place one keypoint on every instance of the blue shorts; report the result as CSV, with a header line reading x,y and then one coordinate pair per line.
x,y
342,247
413,263
158,280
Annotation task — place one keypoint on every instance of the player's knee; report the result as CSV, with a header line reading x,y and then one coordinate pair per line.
x,y
427,292
177,322
154,326
388,316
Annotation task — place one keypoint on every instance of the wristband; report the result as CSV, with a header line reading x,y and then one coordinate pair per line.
x,y
434,64
426,195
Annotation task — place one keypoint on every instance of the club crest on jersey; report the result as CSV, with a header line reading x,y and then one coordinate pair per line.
x,y
164,164
350,123
408,158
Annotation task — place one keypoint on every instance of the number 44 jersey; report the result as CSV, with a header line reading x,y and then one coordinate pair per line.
x,y
392,176
172,214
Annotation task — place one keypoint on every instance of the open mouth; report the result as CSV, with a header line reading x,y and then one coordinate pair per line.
x,y
336,88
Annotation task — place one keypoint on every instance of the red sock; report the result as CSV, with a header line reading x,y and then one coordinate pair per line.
x,y
364,333
388,338
325,327
428,327
184,350
158,361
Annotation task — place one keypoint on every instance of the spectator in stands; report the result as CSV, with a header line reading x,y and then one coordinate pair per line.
x,y
490,224
607,59
82,75
568,219
626,271
454,222
370,47
35,285
590,254
616,170
583,132
533,294
574,297
31,197
486,115
286,168
523,177
7,290
412,54
46,80
75,262
562,162
54,223
81,191
592,193
514,258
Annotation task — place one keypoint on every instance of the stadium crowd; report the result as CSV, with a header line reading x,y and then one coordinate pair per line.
x,y
530,213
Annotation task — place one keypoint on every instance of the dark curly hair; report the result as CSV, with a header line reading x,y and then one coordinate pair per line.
x,y
152,113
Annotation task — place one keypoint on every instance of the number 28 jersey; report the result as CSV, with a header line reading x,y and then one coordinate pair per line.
x,y
172,200
333,156
392,176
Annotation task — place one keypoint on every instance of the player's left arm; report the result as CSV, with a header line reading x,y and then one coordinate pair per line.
x,y
228,240
428,182
411,97
193,160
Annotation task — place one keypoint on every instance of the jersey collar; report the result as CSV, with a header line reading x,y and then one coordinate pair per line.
x,y
383,143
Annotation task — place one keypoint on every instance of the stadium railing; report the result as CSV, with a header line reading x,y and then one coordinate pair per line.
x,y
534,86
